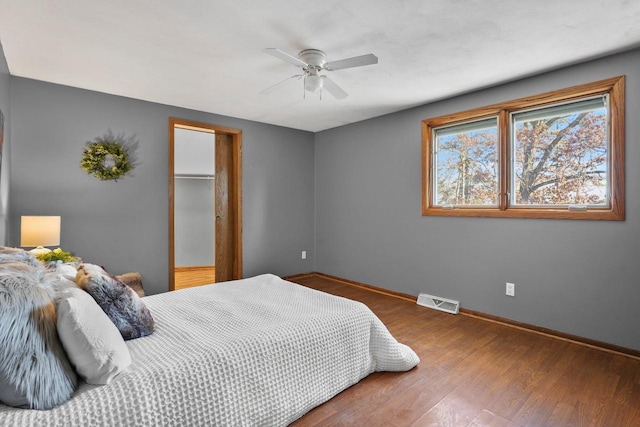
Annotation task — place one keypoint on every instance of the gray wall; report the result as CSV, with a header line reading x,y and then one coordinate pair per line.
x,y
5,154
579,277
124,225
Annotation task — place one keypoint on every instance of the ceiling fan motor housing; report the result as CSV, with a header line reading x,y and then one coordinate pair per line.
x,y
313,57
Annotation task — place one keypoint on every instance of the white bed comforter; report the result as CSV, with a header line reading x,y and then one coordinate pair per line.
x,y
252,352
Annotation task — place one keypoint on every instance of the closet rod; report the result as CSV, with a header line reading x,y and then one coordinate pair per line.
x,y
193,176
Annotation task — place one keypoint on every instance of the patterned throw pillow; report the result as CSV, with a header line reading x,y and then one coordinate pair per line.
x,y
121,304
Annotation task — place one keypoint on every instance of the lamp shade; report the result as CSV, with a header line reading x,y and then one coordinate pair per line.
x,y
40,231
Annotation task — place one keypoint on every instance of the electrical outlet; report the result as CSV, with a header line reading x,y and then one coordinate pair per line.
x,y
304,254
511,289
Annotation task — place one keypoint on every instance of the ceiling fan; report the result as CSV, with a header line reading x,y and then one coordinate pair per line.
x,y
312,62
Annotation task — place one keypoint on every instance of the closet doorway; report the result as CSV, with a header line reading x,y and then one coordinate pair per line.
x,y
205,215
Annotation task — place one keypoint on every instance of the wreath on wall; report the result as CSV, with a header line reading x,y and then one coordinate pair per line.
x,y
108,157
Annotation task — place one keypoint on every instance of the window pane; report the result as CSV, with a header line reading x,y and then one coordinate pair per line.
x,y
560,155
466,164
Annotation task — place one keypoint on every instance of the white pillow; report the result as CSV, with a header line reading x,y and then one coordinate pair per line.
x,y
92,342
67,271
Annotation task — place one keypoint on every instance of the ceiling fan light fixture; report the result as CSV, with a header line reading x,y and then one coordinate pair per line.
x,y
313,82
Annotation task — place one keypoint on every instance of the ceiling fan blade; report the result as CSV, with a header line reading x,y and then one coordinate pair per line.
x,y
277,86
356,61
333,88
285,57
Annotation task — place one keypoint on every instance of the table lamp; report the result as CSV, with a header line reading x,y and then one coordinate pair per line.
x,y
40,231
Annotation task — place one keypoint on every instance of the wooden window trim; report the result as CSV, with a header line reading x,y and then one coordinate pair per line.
x,y
615,87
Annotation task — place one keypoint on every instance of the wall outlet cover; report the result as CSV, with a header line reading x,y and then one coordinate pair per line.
x,y
511,289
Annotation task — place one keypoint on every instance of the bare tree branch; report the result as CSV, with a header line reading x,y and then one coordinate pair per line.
x,y
552,145
568,178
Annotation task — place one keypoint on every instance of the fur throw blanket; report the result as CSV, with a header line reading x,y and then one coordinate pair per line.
x,y
134,281
121,304
34,369
18,255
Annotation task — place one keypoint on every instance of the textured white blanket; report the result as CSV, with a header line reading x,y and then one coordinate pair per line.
x,y
253,352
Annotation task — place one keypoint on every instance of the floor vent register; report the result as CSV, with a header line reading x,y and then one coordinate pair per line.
x,y
437,303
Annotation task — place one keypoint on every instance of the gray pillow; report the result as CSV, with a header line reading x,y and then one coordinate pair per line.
x,y
121,304
34,369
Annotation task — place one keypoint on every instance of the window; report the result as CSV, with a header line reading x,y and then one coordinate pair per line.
x,y
555,155
466,164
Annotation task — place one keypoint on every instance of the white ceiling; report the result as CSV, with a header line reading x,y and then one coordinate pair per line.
x,y
208,55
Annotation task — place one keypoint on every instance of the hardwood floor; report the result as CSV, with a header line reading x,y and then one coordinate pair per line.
x,y
479,373
194,275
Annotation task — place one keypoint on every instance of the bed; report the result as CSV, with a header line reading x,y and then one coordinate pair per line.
x,y
260,351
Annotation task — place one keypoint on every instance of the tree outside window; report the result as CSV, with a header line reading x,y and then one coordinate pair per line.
x,y
560,155
555,155
467,164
